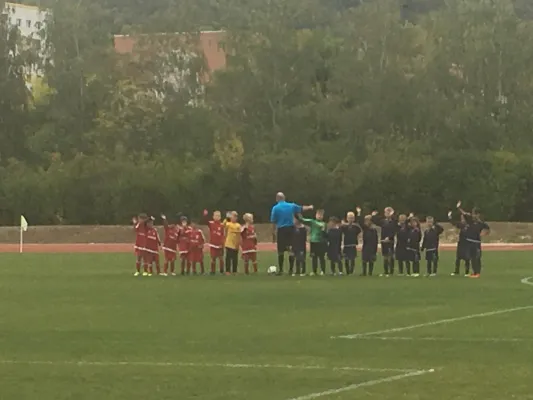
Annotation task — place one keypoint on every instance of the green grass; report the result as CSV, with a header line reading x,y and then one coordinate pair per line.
x,y
57,310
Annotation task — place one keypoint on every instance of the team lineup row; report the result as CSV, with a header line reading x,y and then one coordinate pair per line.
x,y
402,240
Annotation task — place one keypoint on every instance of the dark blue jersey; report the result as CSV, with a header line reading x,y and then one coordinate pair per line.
x,y
370,240
389,227
475,227
350,233
334,239
431,238
414,239
402,236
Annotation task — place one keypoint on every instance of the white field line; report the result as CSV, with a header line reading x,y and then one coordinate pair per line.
x,y
439,322
444,339
201,365
362,384
527,281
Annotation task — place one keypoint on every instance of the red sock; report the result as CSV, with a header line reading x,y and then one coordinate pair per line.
x,y
213,265
246,268
202,268
138,266
221,265
193,268
151,269
255,267
172,266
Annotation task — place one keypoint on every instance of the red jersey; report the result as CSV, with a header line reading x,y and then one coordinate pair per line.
x,y
216,234
171,238
183,238
196,239
152,240
248,239
140,238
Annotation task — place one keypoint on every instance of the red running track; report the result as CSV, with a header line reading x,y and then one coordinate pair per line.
x,y
128,248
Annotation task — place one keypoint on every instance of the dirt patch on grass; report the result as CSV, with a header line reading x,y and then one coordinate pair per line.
x,y
502,232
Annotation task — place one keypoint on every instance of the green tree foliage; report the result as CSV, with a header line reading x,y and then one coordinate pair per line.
x,y
338,103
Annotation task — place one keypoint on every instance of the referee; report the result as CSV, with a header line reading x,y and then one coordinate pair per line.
x,y
282,218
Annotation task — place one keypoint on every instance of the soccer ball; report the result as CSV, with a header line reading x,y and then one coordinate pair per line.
x,y
272,270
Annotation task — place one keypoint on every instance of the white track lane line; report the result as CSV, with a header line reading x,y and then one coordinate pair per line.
x,y
445,339
201,365
527,281
361,385
439,322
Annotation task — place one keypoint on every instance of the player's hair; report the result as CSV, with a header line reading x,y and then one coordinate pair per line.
x,y
217,212
350,214
334,220
430,219
143,216
248,217
320,211
368,217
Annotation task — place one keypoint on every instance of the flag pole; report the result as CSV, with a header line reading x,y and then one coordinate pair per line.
x,y
21,238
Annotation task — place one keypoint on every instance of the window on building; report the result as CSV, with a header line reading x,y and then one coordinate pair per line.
x,y
28,23
19,22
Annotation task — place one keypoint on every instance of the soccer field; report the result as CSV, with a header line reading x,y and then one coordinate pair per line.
x,y
80,326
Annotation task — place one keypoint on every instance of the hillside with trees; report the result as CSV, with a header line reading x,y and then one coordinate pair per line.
x,y
411,103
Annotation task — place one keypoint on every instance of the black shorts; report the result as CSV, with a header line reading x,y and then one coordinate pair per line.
x,y
432,255
462,252
349,252
319,249
284,238
299,255
414,255
368,256
334,255
387,249
402,254
474,251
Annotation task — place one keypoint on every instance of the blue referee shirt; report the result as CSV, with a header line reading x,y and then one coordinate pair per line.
x,y
283,214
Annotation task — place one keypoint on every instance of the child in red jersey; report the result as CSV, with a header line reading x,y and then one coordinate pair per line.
x,y
216,241
196,249
183,243
151,251
249,243
140,240
170,246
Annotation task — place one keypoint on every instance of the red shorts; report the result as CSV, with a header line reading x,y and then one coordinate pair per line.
x,y
170,255
216,252
150,258
196,256
184,254
251,256
138,252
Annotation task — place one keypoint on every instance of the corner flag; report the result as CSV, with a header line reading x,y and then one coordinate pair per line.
x,y
23,228
23,223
